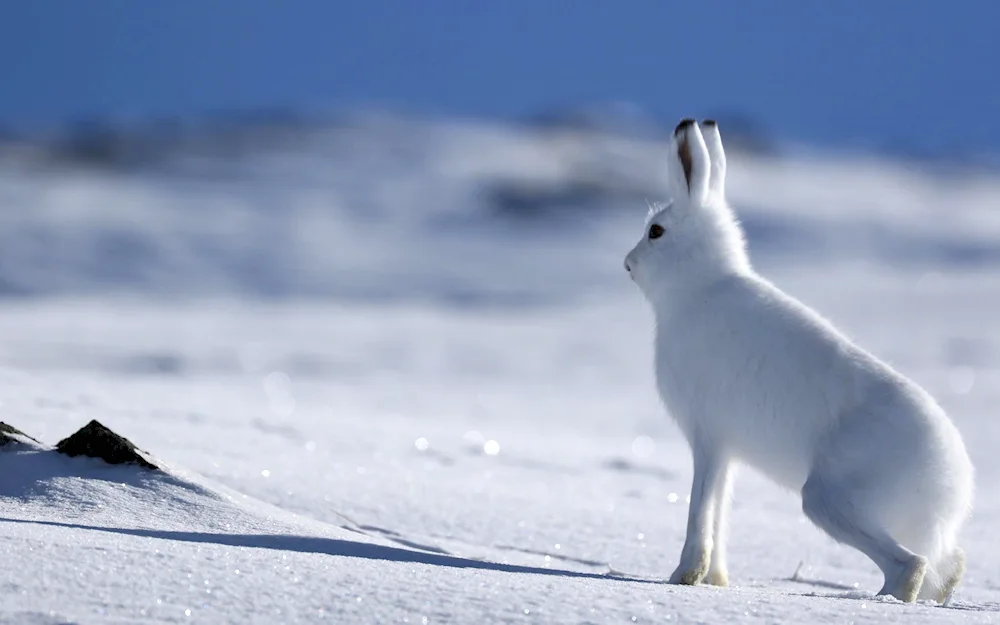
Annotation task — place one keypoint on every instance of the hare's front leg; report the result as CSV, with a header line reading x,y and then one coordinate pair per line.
x,y
710,474
718,571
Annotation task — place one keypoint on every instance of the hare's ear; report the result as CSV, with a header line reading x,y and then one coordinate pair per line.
x,y
689,163
717,155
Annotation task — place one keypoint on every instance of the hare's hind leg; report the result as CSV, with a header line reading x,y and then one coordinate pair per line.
x,y
951,569
837,509
943,577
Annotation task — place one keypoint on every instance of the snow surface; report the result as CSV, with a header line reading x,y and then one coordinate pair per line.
x,y
382,399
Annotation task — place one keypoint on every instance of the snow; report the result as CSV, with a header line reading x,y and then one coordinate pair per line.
x,y
381,400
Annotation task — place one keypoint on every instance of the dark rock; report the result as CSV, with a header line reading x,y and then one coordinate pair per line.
x,y
10,434
96,441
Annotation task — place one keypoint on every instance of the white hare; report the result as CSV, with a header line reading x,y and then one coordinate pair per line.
x,y
751,375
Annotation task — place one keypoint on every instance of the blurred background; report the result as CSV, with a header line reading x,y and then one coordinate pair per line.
x,y
490,152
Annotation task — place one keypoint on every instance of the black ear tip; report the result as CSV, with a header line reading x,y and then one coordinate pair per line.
x,y
709,122
685,123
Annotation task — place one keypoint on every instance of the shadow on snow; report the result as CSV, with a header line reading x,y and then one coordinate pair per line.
x,y
336,547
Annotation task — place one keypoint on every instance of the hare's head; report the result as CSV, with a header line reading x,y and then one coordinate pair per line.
x,y
693,238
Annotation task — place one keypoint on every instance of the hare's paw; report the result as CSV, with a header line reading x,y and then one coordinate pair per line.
x,y
717,577
688,577
952,580
692,571
905,584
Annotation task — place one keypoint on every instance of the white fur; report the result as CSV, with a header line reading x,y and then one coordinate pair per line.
x,y
751,375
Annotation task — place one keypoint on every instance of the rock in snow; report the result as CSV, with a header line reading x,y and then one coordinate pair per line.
x,y
96,441
10,434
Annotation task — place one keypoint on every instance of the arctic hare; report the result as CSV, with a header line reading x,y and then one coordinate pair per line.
x,y
752,375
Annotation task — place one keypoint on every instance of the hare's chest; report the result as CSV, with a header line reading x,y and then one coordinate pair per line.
x,y
709,383
688,385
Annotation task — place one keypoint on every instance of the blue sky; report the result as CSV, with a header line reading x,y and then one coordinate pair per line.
x,y
919,72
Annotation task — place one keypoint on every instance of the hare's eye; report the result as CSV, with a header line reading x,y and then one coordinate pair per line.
x,y
655,231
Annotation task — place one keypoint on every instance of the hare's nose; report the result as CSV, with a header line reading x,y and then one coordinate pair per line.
x,y
628,268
